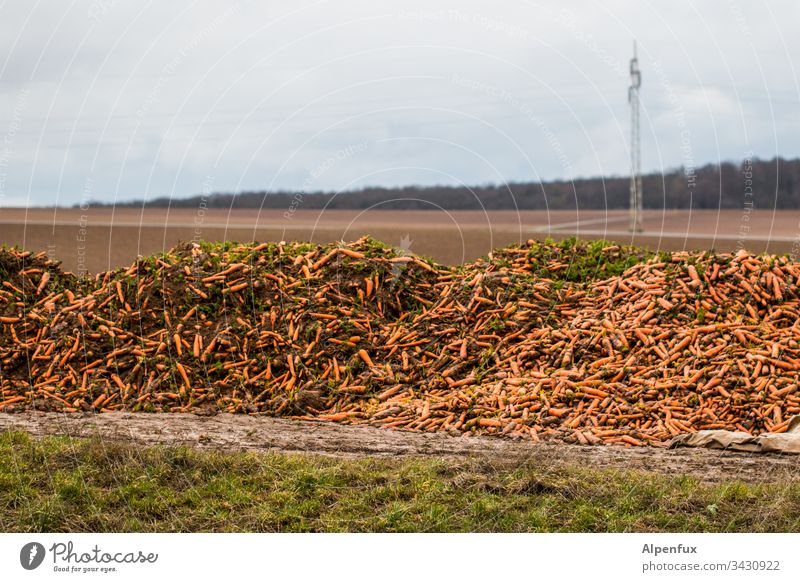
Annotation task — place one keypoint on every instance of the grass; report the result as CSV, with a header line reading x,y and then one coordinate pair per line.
x,y
60,484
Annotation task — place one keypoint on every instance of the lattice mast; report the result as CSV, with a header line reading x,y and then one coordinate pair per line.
x,y
635,203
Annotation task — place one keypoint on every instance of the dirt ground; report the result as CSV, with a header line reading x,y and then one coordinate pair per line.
x,y
99,239
240,432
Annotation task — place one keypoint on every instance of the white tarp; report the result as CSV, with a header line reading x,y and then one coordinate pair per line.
x,y
785,442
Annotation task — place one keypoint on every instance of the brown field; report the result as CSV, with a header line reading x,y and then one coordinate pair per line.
x,y
103,238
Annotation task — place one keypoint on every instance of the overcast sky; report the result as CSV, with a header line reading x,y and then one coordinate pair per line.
x,y
116,100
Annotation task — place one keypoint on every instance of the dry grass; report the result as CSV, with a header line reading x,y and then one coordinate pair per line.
x,y
60,484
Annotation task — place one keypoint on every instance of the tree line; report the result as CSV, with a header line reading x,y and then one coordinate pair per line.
x,y
759,183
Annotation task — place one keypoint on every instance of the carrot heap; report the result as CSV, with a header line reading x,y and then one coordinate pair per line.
x,y
584,342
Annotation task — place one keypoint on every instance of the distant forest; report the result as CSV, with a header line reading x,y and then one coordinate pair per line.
x,y
760,183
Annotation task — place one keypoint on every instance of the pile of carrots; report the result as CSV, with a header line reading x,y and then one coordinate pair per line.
x,y
363,333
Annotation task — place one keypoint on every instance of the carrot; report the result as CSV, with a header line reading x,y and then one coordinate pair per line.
x,y
184,375
334,417
235,288
351,253
631,441
558,412
176,341
324,260
693,274
594,392
43,282
365,357
11,400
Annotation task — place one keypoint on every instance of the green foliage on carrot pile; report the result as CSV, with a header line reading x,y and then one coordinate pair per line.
x,y
574,260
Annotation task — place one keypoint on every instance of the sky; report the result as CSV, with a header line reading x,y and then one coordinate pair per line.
x,y
116,100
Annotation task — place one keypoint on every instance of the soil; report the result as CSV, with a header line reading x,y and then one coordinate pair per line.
x,y
100,239
241,432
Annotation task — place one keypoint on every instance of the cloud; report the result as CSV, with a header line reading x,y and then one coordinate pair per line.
x,y
151,99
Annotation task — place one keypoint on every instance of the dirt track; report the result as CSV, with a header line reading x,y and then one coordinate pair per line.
x,y
241,432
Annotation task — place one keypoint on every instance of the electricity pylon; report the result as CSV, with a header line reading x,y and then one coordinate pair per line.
x,y
635,204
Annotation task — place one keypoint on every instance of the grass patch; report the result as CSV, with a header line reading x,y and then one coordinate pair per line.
x,y
59,484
